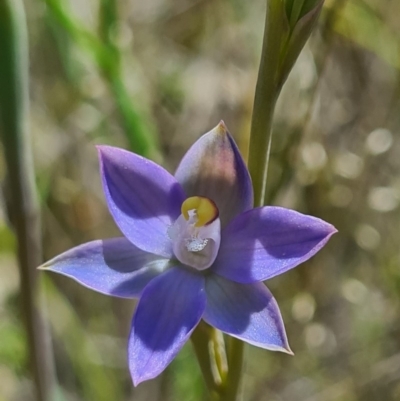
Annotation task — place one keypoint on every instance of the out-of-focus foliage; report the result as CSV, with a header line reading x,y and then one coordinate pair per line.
x,y
154,75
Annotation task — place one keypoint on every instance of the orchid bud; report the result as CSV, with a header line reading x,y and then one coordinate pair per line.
x,y
302,16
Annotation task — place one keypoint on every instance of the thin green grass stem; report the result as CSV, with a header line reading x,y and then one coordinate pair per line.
x,y
20,192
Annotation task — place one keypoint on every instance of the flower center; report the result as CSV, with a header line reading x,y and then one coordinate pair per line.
x,y
196,233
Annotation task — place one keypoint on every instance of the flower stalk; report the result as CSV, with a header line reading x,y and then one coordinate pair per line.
x,y
288,24
235,361
23,209
201,341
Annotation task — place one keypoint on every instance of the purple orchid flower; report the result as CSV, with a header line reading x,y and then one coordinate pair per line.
x,y
193,248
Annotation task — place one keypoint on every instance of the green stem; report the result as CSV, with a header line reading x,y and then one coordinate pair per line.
x,y
23,209
266,95
139,134
202,339
267,91
106,55
222,384
235,364
270,80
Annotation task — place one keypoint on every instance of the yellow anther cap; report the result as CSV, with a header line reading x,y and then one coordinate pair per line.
x,y
206,210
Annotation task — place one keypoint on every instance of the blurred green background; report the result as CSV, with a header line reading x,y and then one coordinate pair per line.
x,y
152,76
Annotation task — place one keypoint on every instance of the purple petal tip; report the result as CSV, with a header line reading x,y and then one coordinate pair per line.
x,y
221,128
287,350
101,150
100,147
137,379
331,231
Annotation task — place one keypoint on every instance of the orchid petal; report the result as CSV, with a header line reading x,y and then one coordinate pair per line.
x,y
268,241
214,168
169,309
143,198
112,267
245,311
